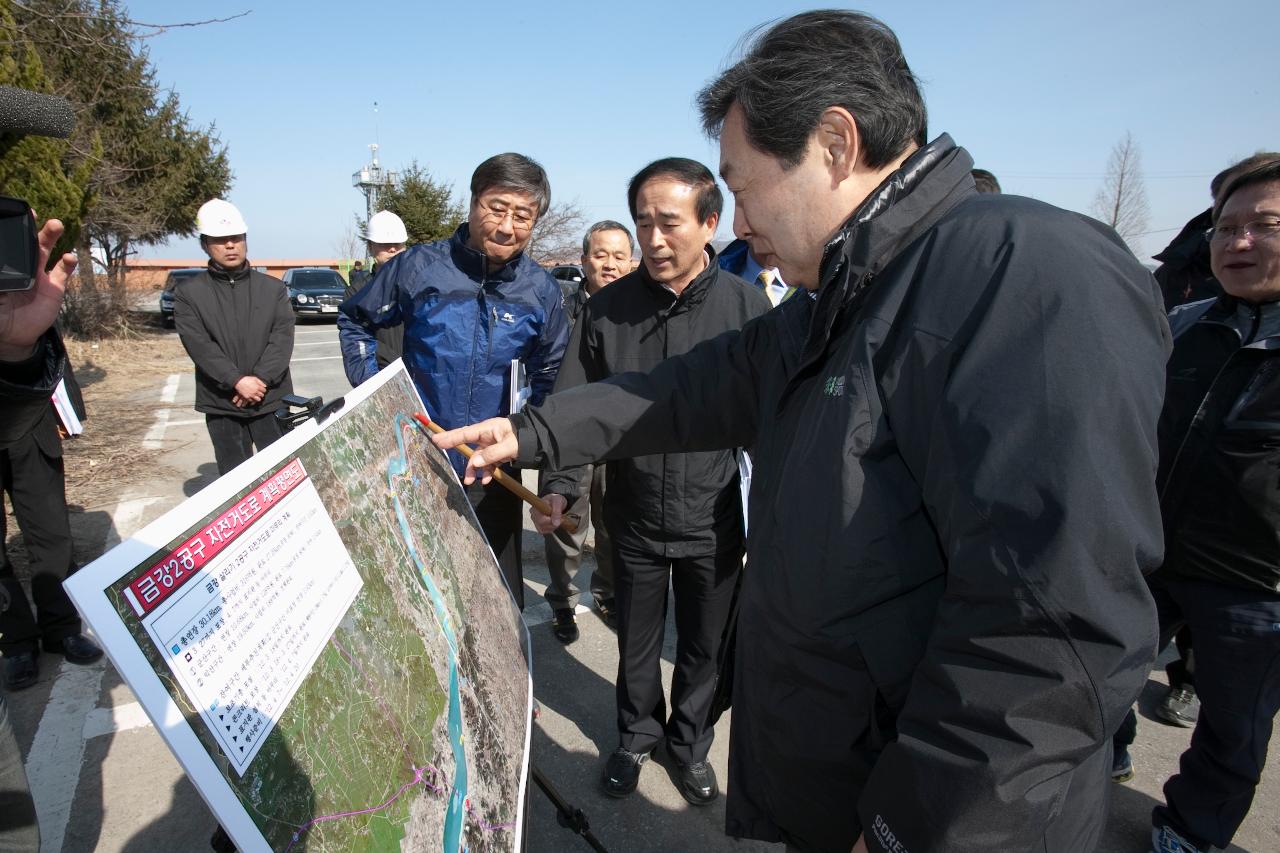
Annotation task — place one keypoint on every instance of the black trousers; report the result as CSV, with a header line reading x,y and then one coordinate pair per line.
x,y
499,514
234,439
34,483
703,589
1237,644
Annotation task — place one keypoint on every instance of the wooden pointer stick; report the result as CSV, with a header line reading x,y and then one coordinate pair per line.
x,y
514,486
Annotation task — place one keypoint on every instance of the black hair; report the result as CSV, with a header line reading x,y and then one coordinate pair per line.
x,y
1261,168
805,64
689,172
514,171
985,181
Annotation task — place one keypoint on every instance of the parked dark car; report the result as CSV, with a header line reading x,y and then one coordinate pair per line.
x,y
166,295
315,291
567,272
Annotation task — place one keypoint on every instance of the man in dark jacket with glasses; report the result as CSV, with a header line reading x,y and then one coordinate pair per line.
x,y
944,618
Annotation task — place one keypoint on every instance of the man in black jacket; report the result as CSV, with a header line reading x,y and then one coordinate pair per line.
x,y
944,617
237,326
672,518
1219,499
32,360
31,473
385,237
607,249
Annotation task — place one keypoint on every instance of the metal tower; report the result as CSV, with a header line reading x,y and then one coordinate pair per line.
x,y
372,180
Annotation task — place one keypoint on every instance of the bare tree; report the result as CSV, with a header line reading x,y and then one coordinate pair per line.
x,y
1122,200
349,245
557,235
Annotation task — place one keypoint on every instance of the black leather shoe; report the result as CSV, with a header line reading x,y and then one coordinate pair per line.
x,y
1180,706
697,783
564,625
77,649
622,773
20,670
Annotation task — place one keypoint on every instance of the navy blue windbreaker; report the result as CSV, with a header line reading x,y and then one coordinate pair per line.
x,y
462,328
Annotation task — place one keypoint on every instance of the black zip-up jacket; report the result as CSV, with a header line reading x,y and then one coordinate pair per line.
x,y
944,616
1220,444
674,504
25,389
235,323
1184,274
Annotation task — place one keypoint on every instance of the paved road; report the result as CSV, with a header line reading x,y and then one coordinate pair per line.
x,y
104,780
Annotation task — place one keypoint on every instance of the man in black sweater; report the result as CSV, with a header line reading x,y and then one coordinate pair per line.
x,y
237,326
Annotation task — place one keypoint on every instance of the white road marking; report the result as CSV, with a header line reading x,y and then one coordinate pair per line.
x,y
121,718
317,358
540,614
53,764
170,391
155,435
328,343
190,422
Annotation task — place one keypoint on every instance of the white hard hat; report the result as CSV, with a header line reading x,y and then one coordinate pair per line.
x,y
386,227
218,218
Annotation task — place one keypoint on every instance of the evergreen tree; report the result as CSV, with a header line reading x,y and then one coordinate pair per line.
x,y
426,205
31,167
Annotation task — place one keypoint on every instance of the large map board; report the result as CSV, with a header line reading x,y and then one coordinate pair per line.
x,y
326,643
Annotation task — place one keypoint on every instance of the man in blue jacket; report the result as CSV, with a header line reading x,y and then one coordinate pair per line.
x,y
471,305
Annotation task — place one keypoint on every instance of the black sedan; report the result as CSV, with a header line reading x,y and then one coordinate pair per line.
x,y
315,291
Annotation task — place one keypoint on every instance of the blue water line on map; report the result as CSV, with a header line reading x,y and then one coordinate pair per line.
x,y
456,815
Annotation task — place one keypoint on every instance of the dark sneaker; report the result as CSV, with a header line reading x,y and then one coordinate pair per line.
x,y
622,773
1166,840
564,625
20,670
697,783
1121,766
608,612
1180,707
76,649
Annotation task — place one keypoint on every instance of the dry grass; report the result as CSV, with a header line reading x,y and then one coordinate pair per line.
x,y
118,378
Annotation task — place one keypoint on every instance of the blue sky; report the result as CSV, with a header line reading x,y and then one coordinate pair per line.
x,y
1037,92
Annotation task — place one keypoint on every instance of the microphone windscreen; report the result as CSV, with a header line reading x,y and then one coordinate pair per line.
x,y
30,113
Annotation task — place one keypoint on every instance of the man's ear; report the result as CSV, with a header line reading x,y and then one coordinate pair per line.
x,y
837,136
713,221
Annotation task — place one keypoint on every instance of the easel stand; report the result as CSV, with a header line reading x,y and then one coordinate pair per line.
x,y
567,815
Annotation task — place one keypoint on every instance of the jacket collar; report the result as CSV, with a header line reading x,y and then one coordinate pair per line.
x,y
221,273
1189,248
907,203
692,295
474,263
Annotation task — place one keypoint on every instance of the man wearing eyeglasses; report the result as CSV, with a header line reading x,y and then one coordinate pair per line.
x,y
470,306
1219,500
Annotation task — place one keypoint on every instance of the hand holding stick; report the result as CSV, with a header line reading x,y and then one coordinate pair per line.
x,y
511,485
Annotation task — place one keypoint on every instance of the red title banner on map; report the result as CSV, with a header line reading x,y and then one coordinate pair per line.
x,y
167,576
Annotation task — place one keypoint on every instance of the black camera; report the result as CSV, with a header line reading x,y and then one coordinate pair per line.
x,y
19,245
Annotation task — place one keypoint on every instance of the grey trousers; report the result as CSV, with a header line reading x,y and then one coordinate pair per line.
x,y
564,550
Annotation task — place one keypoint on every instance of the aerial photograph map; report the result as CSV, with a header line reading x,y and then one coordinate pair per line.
x,y
409,730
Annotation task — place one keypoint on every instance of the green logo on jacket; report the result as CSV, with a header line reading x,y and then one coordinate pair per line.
x,y
834,386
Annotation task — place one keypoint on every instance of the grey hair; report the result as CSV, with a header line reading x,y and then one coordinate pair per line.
x,y
805,64
606,225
